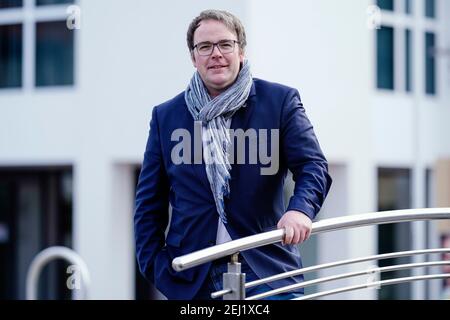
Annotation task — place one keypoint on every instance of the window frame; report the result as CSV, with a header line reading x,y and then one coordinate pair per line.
x,y
418,25
29,15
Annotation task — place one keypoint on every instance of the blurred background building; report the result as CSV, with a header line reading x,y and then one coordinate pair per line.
x,y
77,87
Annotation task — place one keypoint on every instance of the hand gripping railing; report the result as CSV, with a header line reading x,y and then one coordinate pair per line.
x,y
233,281
48,255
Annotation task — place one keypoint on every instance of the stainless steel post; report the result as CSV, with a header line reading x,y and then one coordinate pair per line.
x,y
234,279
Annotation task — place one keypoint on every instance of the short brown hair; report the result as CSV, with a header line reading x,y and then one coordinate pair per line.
x,y
228,19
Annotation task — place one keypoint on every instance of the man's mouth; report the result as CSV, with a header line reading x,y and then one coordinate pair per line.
x,y
217,67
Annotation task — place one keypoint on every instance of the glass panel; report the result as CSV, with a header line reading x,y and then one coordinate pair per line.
x,y
408,6
408,60
54,54
430,8
10,3
36,212
385,58
386,4
430,63
49,2
394,193
11,56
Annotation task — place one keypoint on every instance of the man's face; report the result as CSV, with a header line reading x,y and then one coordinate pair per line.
x,y
218,70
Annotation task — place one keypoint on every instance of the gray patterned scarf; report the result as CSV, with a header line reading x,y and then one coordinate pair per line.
x,y
214,115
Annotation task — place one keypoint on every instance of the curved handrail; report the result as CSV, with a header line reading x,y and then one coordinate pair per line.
x,y
374,285
334,264
382,256
345,276
45,257
374,218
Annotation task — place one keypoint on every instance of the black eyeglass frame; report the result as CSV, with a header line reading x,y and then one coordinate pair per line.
x,y
215,44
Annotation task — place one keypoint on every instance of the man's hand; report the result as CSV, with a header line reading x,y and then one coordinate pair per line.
x,y
297,225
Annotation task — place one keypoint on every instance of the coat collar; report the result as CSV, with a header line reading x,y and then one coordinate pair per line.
x,y
242,116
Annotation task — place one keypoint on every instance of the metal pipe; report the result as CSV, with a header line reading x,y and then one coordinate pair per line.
x,y
225,249
48,255
375,218
344,262
234,280
348,275
220,293
374,284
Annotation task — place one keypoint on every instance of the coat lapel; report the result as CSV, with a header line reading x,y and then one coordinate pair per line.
x,y
242,116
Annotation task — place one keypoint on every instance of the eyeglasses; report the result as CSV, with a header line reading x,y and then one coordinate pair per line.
x,y
207,48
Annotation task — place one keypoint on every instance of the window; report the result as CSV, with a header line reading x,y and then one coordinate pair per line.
x,y
408,6
430,63
48,2
54,54
385,58
11,56
10,3
386,4
408,60
36,46
430,8
394,193
395,44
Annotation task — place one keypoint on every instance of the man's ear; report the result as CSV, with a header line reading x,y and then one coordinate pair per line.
x,y
241,55
193,59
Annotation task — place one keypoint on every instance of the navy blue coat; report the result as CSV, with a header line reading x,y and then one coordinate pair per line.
x,y
255,203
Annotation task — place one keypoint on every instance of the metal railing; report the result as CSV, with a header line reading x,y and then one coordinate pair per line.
x,y
234,286
49,255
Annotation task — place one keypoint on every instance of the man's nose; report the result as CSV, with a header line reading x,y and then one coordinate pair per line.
x,y
216,52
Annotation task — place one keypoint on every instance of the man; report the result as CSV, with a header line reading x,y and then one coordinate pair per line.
x,y
216,194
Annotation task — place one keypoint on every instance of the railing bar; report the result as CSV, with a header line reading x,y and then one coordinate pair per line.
x,y
374,284
226,249
374,218
48,255
220,293
344,262
347,275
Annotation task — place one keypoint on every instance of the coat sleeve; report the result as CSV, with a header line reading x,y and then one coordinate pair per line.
x,y
152,203
304,158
